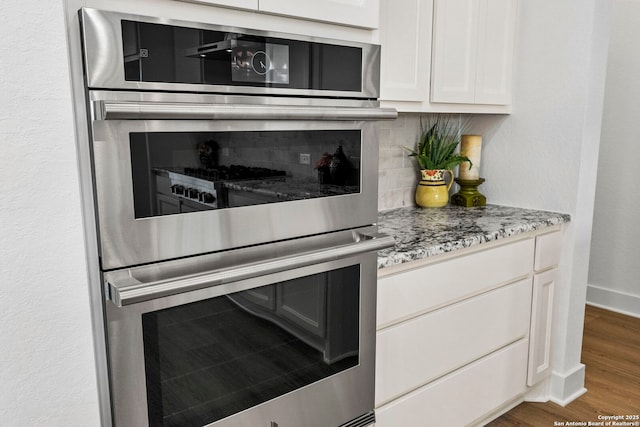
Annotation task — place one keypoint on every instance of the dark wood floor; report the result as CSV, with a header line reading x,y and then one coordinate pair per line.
x,y
611,353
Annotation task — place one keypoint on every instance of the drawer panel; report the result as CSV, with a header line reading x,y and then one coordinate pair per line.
x,y
541,326
548,249
463,396
413,353
408,294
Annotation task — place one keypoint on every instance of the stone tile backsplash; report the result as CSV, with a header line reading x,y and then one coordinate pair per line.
x,y
398,173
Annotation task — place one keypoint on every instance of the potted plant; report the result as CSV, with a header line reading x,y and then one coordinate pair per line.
x,y
436,155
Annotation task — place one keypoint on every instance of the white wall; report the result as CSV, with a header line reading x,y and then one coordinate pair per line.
x,y
544,155
614,270
47,374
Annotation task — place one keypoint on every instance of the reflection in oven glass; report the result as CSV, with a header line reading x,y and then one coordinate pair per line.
x,y
180,172
208,360
171,54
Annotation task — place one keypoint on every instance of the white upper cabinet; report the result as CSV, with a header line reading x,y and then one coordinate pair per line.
x,y
496,44
454,51
405,36
447,55
236,4
473,47
356,13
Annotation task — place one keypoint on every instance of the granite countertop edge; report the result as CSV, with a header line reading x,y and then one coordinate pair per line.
x,y
421,233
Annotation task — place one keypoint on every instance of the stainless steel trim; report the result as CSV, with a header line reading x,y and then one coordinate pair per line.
x,y
104,61
224,99
108,110
127,289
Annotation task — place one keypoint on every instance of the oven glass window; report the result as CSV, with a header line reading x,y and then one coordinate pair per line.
x,y
208,360
170,54
176,173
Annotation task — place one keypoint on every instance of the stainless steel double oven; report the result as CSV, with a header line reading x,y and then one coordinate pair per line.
x,y
235,191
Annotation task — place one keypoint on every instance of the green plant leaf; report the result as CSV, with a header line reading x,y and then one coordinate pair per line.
x,y
435,148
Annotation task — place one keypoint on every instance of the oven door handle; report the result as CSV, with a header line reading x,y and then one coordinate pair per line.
x,y
125,290
119,110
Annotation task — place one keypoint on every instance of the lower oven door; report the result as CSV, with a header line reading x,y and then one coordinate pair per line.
x,y
282,340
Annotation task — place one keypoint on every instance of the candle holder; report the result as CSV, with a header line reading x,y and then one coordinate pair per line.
x,y
468,195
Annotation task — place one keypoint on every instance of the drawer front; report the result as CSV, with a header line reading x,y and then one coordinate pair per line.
x,y
411,354
411,293
464,396
548,249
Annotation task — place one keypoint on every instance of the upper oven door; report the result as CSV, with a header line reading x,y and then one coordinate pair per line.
x,y
139,52
212,176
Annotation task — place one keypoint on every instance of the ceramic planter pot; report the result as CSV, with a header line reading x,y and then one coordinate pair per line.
x,y
432,190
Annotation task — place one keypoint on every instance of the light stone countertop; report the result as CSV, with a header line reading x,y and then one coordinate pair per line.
x,y
289,189
421,233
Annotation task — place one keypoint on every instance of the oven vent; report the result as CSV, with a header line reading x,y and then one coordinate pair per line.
x,y
362,421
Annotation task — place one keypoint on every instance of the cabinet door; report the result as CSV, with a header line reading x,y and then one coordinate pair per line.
x,y
405,36
473,50
463,396
263,296
168,205
455,31
548,250
357,13
496,30
540,334
303,302
238,4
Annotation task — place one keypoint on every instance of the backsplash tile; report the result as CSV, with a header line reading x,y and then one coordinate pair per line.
x,y
397,173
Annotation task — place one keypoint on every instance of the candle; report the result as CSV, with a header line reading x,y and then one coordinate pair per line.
x,y
470,146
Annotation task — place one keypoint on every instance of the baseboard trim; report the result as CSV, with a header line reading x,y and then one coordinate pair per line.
x,y
539,392
569,399
567,387
620,302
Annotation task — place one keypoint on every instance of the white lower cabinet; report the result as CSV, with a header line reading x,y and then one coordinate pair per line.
x,y
419,290
414,353
463,396
541,321
547,255
461,338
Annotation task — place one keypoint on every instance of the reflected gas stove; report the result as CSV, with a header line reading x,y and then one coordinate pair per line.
x,y
206,185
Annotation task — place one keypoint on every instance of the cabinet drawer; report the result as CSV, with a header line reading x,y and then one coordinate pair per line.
x,y
413,353
463,396
411,293
548,249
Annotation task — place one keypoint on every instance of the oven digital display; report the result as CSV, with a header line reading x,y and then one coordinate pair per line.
x,y
159,53
260,63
